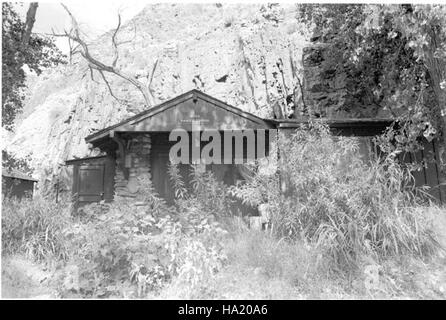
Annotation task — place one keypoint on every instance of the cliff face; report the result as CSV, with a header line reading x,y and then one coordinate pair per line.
x,y
331,89
246,55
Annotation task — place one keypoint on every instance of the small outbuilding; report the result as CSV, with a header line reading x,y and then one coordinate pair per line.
x,y
16,184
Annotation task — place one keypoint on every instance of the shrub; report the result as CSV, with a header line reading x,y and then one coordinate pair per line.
x,y
196,256
349,208
121,244
207,195
111,244
198,249
33,227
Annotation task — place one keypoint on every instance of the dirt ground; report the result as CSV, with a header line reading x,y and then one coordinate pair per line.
x,y
24,279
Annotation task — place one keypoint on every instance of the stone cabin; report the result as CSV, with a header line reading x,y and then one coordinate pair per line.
x,y
140,146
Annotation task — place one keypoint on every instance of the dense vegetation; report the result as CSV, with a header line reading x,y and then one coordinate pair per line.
x,y
18,55
349,206
38,53
336,221
395,59
338,216
395,56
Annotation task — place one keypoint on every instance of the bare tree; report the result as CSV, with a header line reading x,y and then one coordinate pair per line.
x,y
298,88
81,47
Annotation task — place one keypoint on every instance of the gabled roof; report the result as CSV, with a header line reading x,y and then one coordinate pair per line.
x,y
142,122
16,174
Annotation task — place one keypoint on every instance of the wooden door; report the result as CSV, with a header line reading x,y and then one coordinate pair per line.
x,y
160,176
90,183
93,180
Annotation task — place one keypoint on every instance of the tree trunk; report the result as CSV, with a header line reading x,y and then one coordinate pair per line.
x,y
30,19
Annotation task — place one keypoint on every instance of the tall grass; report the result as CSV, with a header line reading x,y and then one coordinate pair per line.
x,y
33,227
348,208
272,257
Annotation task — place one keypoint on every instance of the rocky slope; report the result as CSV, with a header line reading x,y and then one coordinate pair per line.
x,y
242,54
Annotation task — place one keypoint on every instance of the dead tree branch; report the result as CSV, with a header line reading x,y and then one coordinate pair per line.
x,y
149,86
279,65
108,86
300,87
83,48
115,45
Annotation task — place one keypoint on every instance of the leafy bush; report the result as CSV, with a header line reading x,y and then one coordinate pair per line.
x,y
207,193
349,208
33,227
122,244
112,248
199,248
195,250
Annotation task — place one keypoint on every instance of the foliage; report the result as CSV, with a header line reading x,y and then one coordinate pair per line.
x,y
261,266
9,161
206,193
348,208
195,249
423,28
106,246
198,209
117,249
125,250
121,244
388,54
34,227
38,54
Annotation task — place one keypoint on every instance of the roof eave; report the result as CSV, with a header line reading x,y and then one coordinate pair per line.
x,y
19,177
336,123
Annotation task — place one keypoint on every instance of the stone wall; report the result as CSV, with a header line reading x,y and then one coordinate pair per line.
x,y
137,162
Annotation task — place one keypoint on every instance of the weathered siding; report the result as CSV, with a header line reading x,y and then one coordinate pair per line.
x,y
12,187
429,173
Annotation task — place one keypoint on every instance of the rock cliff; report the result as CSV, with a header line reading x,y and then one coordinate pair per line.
x,y
246,55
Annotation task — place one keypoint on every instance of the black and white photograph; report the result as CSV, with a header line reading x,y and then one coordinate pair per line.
x,y
224,151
